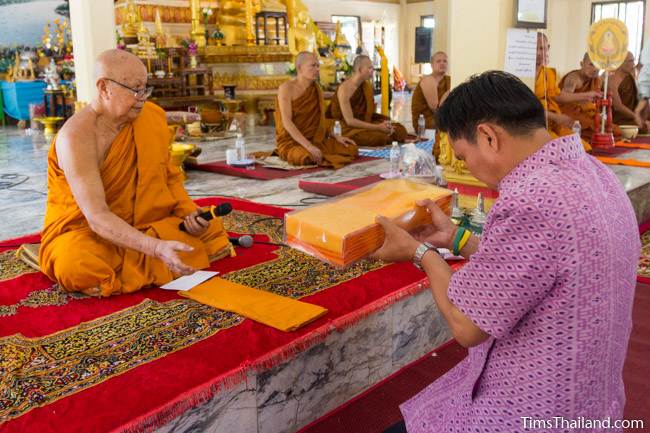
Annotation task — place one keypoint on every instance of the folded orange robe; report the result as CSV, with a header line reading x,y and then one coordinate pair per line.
x,y
143,188
344,230
277,311
546,89
308,112
585,112
363,107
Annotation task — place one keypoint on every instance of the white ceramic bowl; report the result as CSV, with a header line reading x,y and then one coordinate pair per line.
x,y
629,131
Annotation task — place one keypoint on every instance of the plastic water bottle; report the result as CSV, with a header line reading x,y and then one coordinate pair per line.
x,y
576,128
240,146
422,126
394,160
337,129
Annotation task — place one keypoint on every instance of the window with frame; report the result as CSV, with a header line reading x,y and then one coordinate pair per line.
x,y
631,12
427,21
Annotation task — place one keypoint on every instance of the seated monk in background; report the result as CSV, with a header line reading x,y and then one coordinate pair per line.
x,y
550,95
115,201
627,108
301,130
430,92
353,104
580,89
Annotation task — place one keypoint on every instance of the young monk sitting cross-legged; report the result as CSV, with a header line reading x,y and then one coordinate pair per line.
x,y
302,133
353,104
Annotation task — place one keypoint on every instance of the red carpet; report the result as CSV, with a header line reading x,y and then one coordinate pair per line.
x,y
637,363
260,172
337,188
134,362
378,408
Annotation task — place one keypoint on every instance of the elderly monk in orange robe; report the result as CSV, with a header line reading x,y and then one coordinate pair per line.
x,y
581,88
301,128
627,109
353,105
550,95
115,201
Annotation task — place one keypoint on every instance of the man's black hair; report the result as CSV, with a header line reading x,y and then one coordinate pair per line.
x,y
493,96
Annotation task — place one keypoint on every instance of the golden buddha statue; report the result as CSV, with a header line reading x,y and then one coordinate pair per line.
x,y
232,21
448,159
302,36
131,21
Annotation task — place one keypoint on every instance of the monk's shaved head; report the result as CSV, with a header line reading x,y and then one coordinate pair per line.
x,y
119,65
359,62
304,57
438,54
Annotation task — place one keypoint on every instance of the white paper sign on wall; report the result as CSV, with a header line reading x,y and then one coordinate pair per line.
x,y
521,53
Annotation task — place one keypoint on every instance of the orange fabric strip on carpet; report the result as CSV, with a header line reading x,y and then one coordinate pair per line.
x,y
628,162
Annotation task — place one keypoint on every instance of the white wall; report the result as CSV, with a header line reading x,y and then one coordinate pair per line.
x,y
414,12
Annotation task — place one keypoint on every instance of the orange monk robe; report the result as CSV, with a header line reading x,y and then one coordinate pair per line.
x,y
585,112
363,107
546,89
143,188
419,105
629,94
308,114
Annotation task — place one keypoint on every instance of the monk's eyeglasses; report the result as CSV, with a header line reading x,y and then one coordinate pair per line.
x,y
138,93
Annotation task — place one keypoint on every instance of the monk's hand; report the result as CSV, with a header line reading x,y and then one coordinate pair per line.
x,y
565,120
639,120
345,141
167,251
440,233
385,127
590,96
316,154
195,225
399,246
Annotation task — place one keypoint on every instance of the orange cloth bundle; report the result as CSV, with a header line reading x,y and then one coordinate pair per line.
x,y
277,311
343,231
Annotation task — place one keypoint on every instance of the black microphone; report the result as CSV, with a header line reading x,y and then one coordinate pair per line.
x,y
213,212
244,241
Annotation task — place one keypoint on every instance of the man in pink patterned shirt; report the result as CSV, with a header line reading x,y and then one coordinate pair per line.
x,y
544,303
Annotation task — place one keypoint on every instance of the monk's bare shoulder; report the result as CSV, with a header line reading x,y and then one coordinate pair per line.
x,y
427,82
77,136
80,125
571,81
346,89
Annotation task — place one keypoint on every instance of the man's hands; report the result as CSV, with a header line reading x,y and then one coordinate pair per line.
x,y
345,141
167,251
196,225
400,246
440,233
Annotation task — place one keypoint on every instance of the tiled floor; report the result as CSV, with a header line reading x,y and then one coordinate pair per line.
x,y
23,180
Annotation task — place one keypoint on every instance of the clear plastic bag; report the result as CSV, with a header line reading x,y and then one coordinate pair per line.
x,y
417,162
343,230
